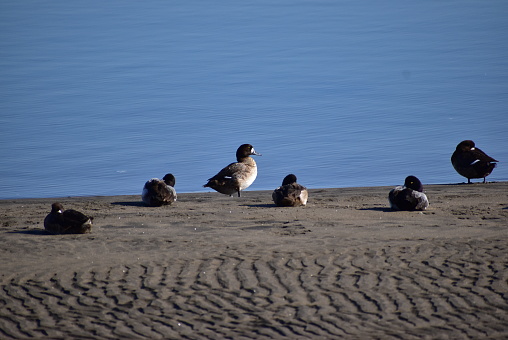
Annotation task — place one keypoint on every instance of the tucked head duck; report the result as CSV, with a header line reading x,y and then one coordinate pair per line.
x,y
408,197
60,221
236,176
158,192
471,162
290,193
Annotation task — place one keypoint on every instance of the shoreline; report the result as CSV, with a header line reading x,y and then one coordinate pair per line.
x,y
212,266
253,191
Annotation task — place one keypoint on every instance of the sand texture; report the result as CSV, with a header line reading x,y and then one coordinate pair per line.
x,y
216,267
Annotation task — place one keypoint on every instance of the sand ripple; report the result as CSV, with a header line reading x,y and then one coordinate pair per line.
x,y
458,290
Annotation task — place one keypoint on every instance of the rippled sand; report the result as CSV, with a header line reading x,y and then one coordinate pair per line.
x,y
215,267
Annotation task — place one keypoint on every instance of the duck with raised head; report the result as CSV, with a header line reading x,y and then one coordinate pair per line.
x,y
290,193
236,176
471,162
409,197
60,221
158,192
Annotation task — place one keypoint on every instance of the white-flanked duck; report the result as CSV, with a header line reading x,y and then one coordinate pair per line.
x,y
236,176
158,192
290,193
471,162
410,196
60,221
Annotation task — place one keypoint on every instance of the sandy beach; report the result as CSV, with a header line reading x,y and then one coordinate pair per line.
x,y
217,267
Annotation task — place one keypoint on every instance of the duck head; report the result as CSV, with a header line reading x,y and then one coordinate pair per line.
x,y
57,208
245,150
289,179
412,182
169,179
466,145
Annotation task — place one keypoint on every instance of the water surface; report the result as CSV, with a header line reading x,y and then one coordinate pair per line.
x,y
96,98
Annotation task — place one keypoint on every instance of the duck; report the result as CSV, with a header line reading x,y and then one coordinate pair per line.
x,y
236,176
471,162
158,192
290,193
60,221
409,197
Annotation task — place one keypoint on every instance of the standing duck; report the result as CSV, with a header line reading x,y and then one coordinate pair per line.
x,y
290,193
408,197
158,192
236,176
472,162
69,221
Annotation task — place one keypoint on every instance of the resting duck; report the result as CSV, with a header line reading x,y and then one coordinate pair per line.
x,y
290,193
158,192
408,197
472,162
69,221
236,176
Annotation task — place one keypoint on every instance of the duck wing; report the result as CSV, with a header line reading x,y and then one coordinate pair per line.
x,y
229,172
76,222
157,193
407,199
74,216
471,157
290,195
478,155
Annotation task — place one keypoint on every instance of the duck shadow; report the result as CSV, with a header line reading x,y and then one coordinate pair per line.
x,y
30,232
466,183
259,205
382,209
130,204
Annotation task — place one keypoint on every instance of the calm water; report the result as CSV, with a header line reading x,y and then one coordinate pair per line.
x,y
96,98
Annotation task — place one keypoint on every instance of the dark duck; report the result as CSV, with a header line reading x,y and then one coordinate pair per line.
x,y
290,193
471,162
158,192
60,221
409,197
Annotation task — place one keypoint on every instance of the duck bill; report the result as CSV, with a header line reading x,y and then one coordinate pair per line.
x,y
253,152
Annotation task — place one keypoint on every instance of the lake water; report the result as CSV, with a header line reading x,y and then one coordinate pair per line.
x,y
98,97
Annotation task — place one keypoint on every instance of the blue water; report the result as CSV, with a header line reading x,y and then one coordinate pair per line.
x,y
98,97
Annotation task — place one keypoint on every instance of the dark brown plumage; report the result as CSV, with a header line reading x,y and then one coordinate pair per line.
x,y
158,192
408,197
60,221
290,193
471,162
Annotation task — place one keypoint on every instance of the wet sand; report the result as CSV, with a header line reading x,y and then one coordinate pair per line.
x,y
217,267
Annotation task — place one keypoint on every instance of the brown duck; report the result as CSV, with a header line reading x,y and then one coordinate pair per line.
x,y
158,192
290,193
60,221
471,162
236,176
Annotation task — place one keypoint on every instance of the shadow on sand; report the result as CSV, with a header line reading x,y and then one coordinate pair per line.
x,y
30,232
130,204
383,209
261,206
